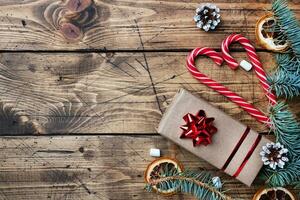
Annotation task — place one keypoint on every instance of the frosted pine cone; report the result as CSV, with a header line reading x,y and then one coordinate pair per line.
x,y
274,155
207,16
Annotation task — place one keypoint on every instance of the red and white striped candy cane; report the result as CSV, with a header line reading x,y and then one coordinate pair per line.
x,y
218,59
254,61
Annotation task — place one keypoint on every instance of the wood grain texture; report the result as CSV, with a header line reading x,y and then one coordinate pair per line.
x,y
120,25
91,167
73,90
61,93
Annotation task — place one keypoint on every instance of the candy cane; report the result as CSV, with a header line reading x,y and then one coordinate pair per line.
x,y
218,59
254,61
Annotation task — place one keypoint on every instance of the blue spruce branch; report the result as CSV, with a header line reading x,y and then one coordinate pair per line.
x,y
285,83
198,184
290,175
285,80
288,24
287,132
286,128
289,63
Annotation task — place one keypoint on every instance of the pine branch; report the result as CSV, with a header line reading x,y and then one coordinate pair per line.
x,y
290,175
197,184
286,128
288,24
287,132
288,62
297,185
285,83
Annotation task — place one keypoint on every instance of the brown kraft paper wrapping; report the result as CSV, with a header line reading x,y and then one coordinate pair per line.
x,y
223,142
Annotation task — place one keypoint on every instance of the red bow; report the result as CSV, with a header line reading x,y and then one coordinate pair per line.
x,y
199,128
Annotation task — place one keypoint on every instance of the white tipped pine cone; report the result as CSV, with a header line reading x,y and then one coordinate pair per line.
x,y
274,155
207,16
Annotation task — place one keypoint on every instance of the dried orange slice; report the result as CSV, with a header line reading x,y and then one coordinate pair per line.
x,y
156,169
277,193
268,35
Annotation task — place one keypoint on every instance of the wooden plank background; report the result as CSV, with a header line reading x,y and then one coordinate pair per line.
x,y
121,24
83,87
56,93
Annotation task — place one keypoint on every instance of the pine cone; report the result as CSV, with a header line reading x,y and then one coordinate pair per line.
x,y
274,155
207,16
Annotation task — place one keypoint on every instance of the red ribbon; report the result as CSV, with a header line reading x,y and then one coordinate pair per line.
x,y
199,128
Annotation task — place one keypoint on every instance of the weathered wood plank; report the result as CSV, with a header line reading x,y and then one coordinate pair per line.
x,y
90,167
109,93
121,25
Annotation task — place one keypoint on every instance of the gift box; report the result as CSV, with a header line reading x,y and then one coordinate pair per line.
x,y
213,136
